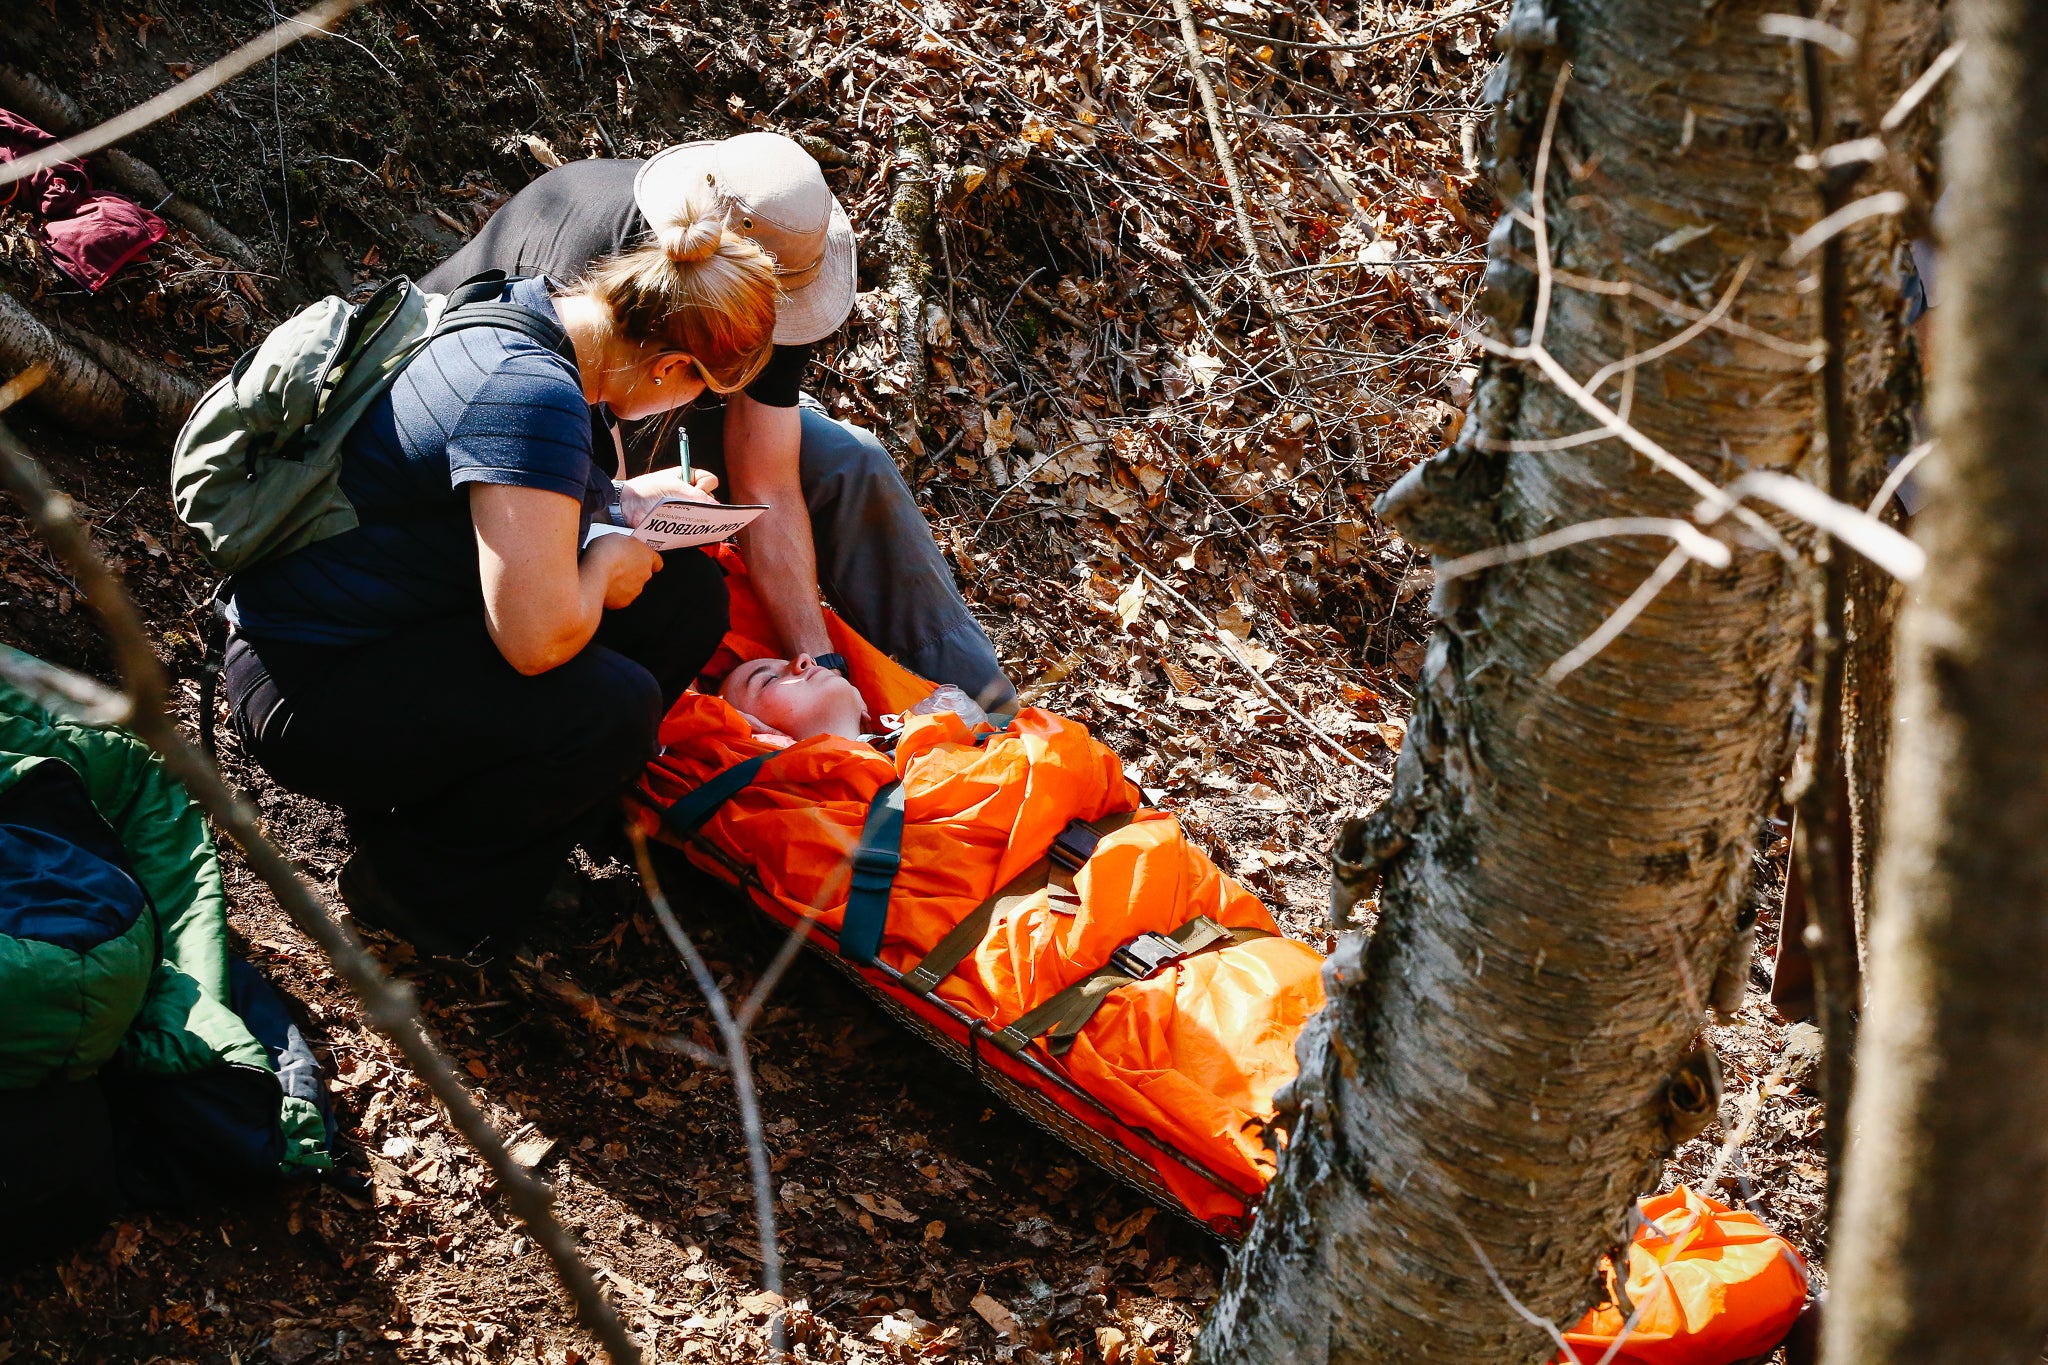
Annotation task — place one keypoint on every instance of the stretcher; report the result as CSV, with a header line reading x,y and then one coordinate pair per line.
x,y
1005,895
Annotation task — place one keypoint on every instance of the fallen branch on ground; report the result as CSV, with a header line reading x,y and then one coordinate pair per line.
x,y
387,1004
1191,43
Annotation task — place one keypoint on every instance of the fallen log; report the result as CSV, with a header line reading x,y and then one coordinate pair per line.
x,y
56,112
93,384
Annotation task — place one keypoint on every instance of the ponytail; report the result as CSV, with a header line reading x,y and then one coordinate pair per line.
x,y
697,288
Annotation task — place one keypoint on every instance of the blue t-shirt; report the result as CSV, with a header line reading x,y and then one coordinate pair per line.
x,y
483,405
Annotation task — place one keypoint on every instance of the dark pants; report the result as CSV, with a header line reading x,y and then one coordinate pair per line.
x,y
877,562
465,783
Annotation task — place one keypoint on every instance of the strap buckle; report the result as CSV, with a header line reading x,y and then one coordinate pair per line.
x,y
874,869
1075,845
1147,955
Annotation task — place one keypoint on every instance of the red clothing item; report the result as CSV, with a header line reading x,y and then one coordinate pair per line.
x,y
91,234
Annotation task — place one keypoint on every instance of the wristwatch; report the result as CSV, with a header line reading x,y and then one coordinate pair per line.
x,y
616,508
836,662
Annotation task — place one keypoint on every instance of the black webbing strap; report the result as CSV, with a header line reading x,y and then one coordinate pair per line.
x,y
693,808
1062,1017
875,864
1074,846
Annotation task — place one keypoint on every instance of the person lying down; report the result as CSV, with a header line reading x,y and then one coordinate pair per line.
x,y
1187,1050
796,699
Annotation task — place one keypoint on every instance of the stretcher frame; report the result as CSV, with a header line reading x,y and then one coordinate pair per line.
x,y
1024,1081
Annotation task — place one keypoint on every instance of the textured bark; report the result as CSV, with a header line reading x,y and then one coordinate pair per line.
x,y
905,243
1512,1058
1942,1254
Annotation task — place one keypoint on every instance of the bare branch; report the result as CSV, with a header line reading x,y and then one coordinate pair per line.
x,y
1859,530
1896,480
1842,219
1902,108
1680,339
387,1005
735,1059
96,703
1536,194
1191,44
319,19
1803,30
1701,547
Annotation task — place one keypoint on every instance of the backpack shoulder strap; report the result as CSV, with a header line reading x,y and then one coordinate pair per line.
x,y
476,302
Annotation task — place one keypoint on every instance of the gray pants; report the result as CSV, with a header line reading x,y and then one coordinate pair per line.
x,y
877,562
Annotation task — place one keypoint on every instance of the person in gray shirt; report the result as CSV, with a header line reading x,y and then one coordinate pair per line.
x,y
842,524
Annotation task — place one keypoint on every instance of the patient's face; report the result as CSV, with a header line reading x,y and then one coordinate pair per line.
x,y
795,696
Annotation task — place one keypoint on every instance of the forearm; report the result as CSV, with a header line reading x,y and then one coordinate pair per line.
x,y
782,569
763,448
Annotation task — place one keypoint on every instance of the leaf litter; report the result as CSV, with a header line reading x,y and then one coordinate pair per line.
x,y
1104,390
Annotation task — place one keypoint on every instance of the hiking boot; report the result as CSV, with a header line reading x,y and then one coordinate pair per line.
x,y
374,907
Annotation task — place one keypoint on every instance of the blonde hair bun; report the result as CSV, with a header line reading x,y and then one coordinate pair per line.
x,y
693,241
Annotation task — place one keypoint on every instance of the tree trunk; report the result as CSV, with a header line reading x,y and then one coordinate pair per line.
x,y
1943,1254
1513,1057
99,387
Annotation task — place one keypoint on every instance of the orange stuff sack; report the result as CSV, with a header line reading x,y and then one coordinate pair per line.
x,y
1177,1069
1713,1286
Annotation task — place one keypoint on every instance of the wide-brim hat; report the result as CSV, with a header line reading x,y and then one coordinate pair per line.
x,y
772,191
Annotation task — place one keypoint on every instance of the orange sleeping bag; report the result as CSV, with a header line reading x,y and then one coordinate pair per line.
x,y
1177,1067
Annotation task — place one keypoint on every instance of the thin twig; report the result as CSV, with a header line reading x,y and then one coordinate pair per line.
x,y
1689,537
1622,618
319,19
736,1061
387,1005
1223,638
616,1023
1191,44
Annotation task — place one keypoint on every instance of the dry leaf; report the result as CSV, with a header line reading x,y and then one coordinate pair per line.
x,y
1130,603
763,1303
1000,1319
885,1206
542,152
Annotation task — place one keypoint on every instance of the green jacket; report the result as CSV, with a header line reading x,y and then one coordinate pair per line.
x,y
153,999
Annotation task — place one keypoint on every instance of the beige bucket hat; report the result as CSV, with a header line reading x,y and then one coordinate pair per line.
x,y
773,192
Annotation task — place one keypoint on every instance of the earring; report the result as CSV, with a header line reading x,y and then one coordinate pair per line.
x,y
657,381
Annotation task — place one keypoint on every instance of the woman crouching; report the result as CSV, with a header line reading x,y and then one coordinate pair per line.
x,y
459,673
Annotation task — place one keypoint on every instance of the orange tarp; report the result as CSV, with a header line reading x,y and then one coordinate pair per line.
x,y
1711,1285
1191,1056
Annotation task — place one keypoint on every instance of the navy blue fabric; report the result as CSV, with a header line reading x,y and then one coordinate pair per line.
x,y
55,892
184,1140
64,877
482,405
694,808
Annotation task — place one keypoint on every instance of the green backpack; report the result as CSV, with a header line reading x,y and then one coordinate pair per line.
x,y
256,471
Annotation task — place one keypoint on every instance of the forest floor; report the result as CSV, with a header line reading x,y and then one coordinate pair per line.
x,y
1105,390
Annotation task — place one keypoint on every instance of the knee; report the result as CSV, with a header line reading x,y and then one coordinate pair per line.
x,y
838,457
617,713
